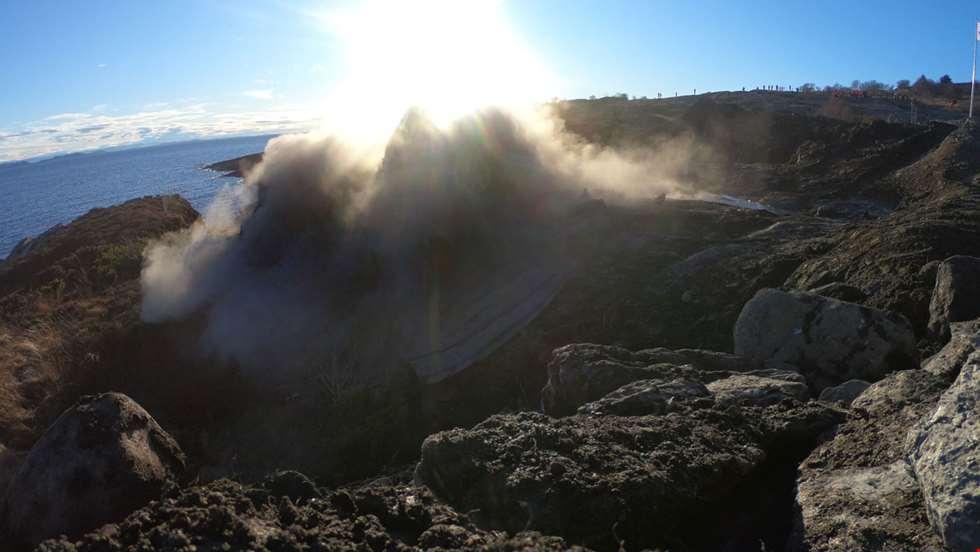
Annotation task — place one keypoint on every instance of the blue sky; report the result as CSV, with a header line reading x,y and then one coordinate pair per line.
x,y
78,75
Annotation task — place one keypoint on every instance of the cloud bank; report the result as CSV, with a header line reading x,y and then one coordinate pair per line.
x,y
97,129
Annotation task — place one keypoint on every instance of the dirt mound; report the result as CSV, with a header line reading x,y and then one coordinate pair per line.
x,y
890,258
386,515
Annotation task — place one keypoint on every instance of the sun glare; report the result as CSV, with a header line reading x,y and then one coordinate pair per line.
x,y
445,57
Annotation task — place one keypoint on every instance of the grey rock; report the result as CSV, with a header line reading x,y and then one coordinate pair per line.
x,y
900,391
832,497
855,491
845,393
762,388
956,294
101,459
964,340
827,340
944,451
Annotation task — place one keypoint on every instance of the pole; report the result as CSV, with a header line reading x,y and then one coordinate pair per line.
x,y
973,77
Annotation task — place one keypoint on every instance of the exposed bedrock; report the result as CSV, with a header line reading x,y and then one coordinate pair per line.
x,y
879,484
944,452
674,458
856,491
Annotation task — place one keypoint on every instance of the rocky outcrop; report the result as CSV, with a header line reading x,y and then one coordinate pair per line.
x,y
585,372
845,393
856,491
829,341
964,340
231,516
100,460
104,235
956,296
598,480
760,388
238,167
944,452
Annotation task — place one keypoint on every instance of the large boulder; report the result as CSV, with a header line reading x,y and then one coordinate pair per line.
x,y
603,480
101,459
944,451
829,341
956,295
856,491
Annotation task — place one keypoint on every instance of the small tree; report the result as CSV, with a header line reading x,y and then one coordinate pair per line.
x,y
873,86
808,88
903,84
924,86
946,87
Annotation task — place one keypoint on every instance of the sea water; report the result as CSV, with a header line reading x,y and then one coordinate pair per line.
x,y
38,195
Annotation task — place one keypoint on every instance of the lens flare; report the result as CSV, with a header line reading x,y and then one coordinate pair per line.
x,y
447,58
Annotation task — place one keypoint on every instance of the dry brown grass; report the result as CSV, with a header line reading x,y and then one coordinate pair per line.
x,y
33,363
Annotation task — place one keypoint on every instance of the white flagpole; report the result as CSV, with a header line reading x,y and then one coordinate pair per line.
x,y
973,77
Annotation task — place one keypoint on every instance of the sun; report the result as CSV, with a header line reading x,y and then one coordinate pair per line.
x,y
445,57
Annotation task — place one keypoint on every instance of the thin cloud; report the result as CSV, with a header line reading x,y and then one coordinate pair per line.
x,y
260,93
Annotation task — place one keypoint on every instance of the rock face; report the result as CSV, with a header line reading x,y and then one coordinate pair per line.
x,y
100,460
640,466
944,452
856,491
390,516
829,341
845,393
956,296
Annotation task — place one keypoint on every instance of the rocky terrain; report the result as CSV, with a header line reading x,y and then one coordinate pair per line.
x,y
708,377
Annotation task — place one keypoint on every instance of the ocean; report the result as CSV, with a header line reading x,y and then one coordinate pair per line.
x,y
36,196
